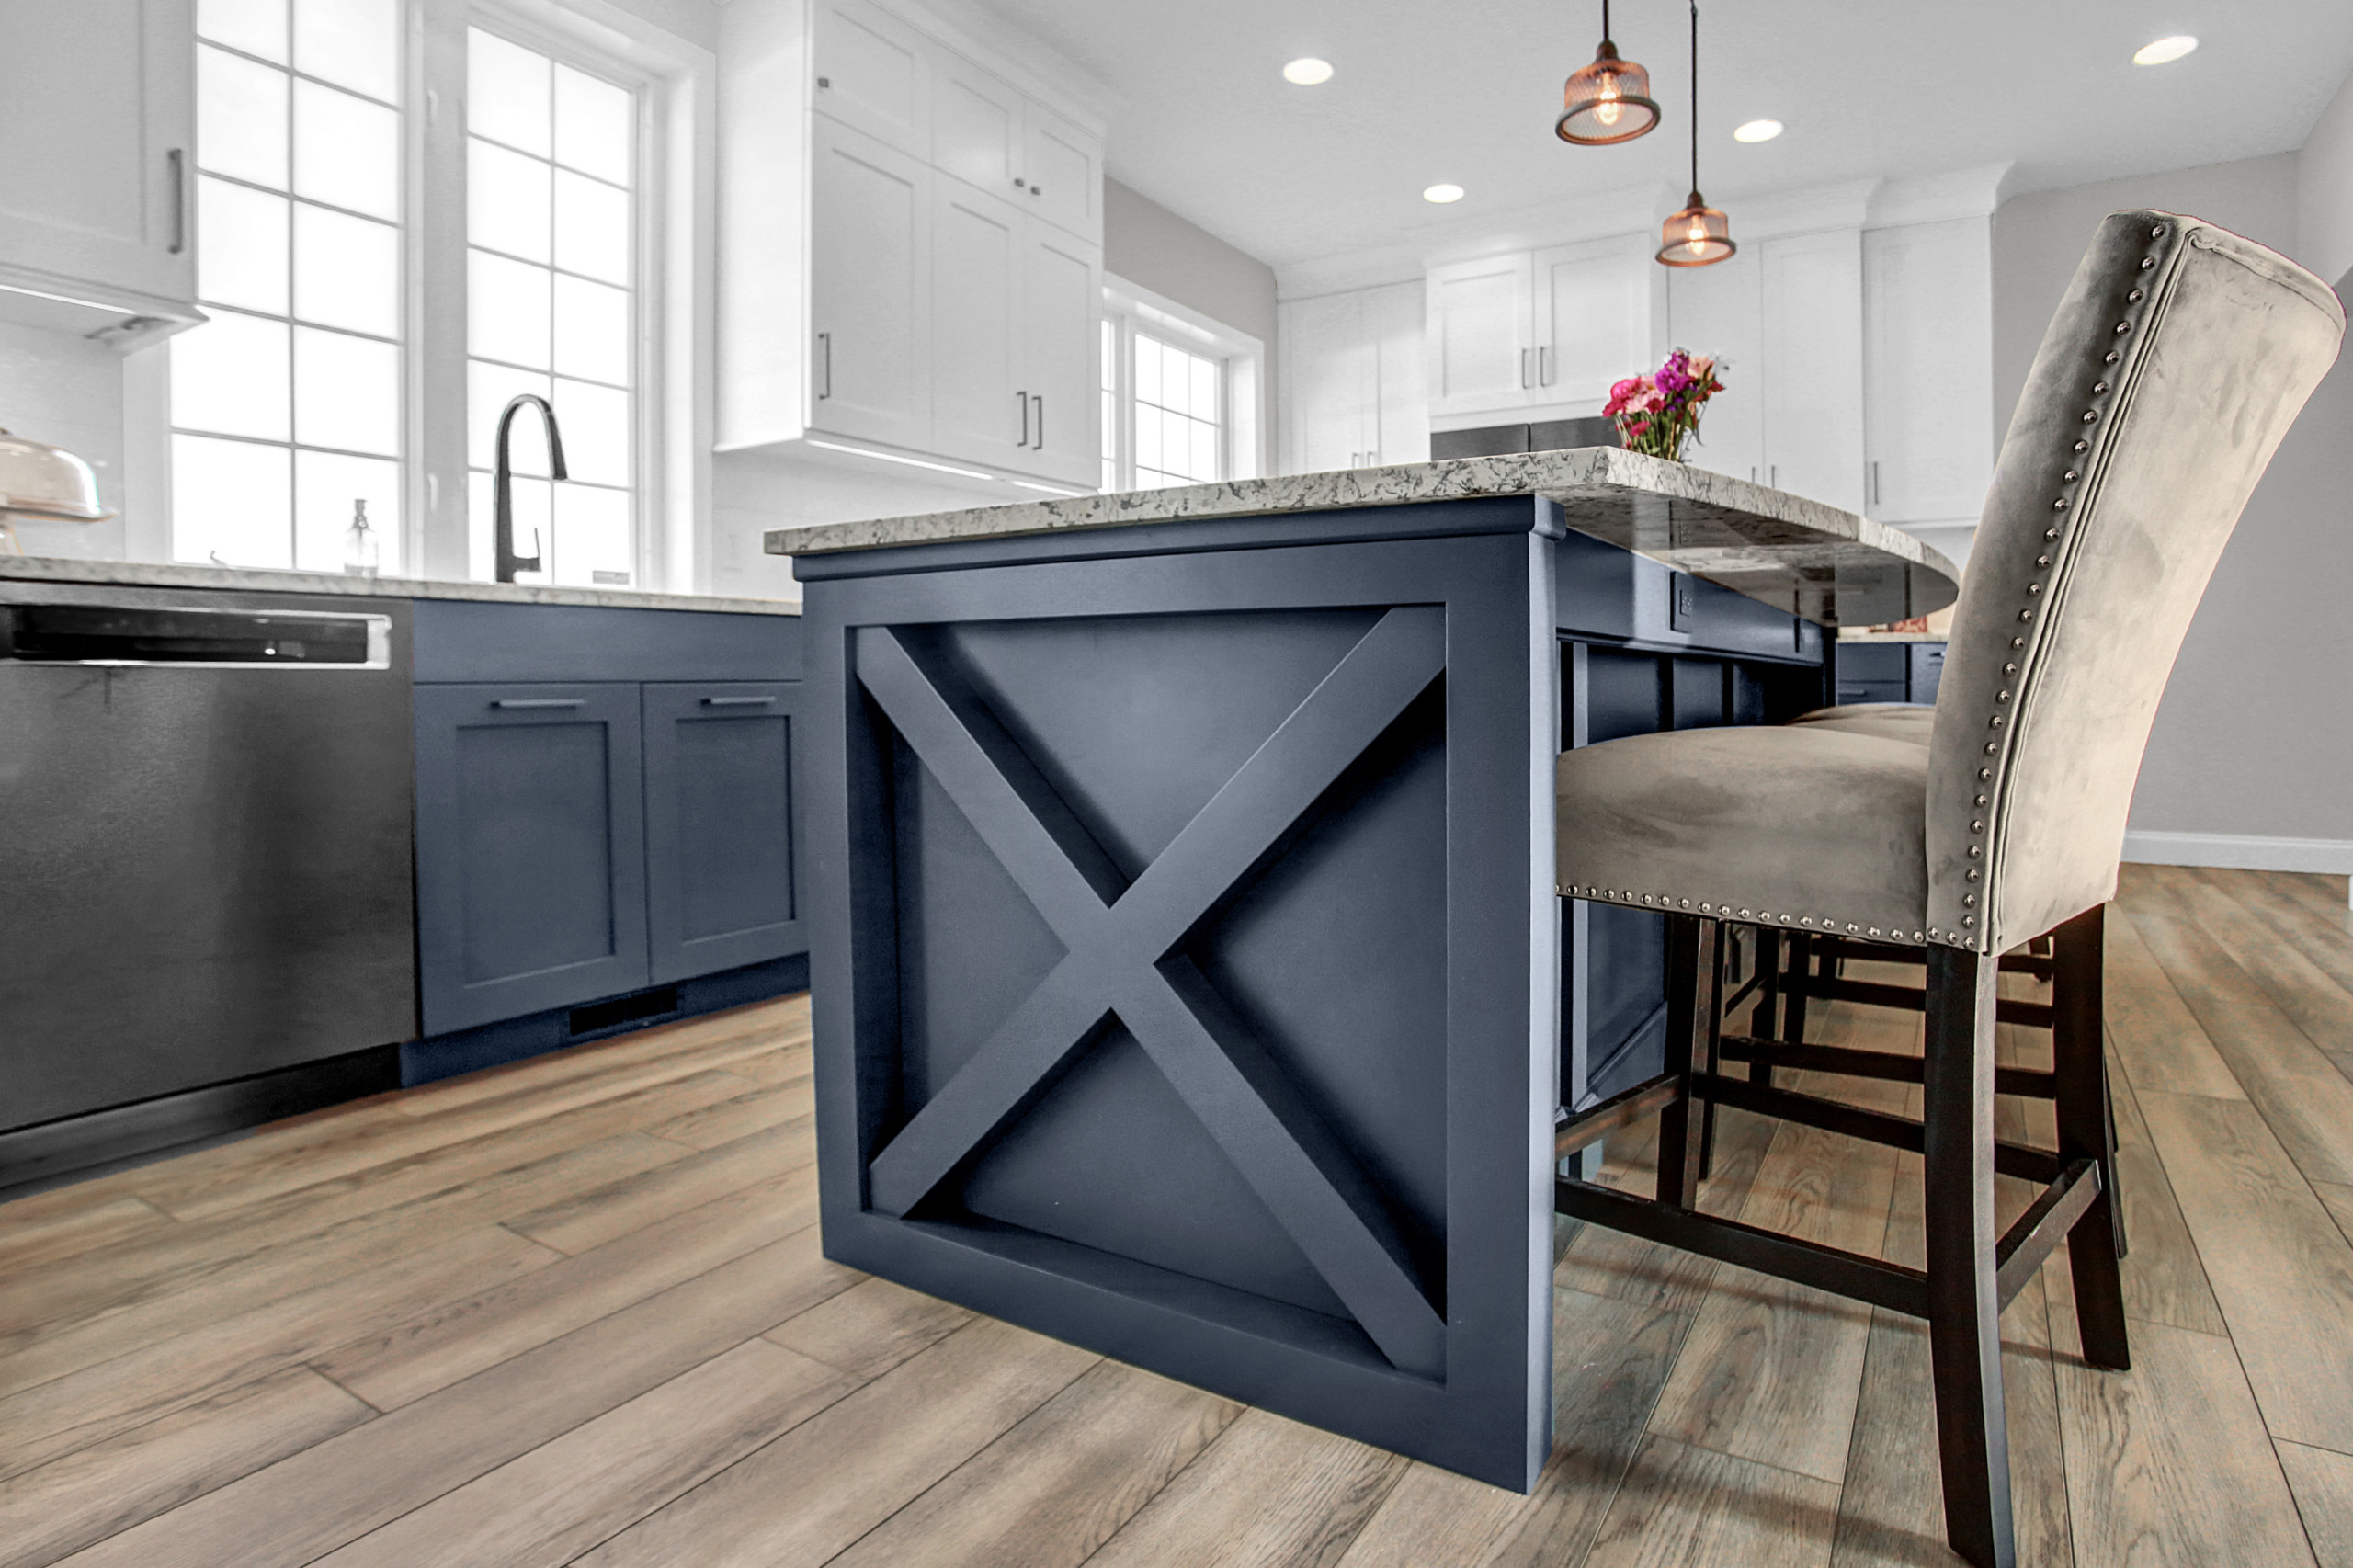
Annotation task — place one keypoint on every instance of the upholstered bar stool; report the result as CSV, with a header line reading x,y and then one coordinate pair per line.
x,y
2176,363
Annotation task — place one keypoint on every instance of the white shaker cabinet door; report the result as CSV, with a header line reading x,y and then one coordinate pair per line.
x,y
977,127
1062,291
874,73
1928,369
1592,320
977,243
1719,311
1328,383
97,148
1400,431
1482,358
1063,167
869,283
1813,357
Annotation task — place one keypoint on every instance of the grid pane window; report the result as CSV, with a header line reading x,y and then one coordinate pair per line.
x,y
1177,418
286,405
551,305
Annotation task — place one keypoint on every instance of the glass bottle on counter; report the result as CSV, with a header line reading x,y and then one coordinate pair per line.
x,y
361,549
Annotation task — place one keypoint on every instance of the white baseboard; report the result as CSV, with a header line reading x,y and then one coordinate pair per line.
x,y
2239,851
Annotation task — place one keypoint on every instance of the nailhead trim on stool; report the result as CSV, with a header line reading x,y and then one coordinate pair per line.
x,y
2063,507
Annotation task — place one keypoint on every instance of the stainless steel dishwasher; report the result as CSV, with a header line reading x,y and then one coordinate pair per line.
x,y
206,904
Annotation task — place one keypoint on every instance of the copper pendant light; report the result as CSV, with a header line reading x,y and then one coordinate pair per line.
x,y
1607,101
1700,235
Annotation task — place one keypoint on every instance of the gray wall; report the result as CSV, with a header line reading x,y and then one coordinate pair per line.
x,y
2253,738
1148,244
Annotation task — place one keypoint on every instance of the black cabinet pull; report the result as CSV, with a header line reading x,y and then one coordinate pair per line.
x,y
539,702
737,702
177,161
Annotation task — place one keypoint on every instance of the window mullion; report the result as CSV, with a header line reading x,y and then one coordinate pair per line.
x,y
436,273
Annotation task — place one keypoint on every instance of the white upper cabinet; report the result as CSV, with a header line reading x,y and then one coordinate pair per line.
x,y
1812,357
1355,390
1330,384
1592,320
987,131
1719,311
1400,431
1063,168
1062,295
1481,333
978,123
869,290
1785,317
954,226
874,73
97,151
976,408
1928,369
1545,331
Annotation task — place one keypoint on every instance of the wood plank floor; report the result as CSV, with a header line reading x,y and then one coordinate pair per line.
x,y
574,1310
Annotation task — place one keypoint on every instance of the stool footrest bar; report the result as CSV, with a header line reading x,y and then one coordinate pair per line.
x,y
1830,1116
1846,1273
2026,1082
2037,1232
1626,1106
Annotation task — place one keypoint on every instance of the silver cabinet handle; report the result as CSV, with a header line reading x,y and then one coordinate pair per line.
x,y
178,160
1523,369
1543,364
1023,399
825,341
1037,190
1041,443
1020,184
1874,484
737,702
539,702
1773,476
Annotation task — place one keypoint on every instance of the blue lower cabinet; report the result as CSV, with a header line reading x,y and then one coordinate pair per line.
x,y
718,826
531,849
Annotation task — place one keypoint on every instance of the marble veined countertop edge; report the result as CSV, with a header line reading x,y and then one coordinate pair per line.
x,y
1577,473
233,579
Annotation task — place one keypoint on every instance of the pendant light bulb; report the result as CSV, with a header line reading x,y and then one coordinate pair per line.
x,y
1697,236
1607,101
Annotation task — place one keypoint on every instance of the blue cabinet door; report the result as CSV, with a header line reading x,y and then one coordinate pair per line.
x,y
721,887
531,849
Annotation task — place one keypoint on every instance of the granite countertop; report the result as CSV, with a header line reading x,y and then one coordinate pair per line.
x,y
233,579
1830,566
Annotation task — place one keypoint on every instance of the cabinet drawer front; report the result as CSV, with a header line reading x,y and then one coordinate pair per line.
x,y
718,826
530,851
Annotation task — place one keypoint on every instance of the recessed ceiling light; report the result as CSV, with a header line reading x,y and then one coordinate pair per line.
x,y
1757,130
2165,51
1443,193
1307,72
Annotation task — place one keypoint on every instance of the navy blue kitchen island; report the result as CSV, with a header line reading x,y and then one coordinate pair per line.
x,y
1189,979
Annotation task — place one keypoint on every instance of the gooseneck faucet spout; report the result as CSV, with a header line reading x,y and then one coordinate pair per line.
x,y
501,488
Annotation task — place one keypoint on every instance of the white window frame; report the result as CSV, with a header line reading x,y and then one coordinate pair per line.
x,y
1241,439
677,83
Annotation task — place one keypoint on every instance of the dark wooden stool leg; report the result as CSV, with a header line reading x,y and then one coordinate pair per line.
x,y
1679,1143
1964,1306
1766,1022
1719,983
1799,948
2084,1133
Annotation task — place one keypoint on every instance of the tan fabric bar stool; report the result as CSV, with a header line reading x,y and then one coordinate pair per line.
x,y
2177,360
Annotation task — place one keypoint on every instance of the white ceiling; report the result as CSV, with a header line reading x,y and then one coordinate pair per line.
x,y
1466,91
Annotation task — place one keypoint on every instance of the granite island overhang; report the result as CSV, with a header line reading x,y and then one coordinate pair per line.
x,y
1189,979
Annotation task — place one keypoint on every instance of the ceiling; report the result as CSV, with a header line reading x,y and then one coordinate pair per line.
x,y
1465,91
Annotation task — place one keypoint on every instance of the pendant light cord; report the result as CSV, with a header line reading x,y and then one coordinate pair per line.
x,y
1694,96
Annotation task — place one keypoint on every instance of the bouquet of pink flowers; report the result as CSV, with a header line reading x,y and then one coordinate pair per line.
x,y
1655,413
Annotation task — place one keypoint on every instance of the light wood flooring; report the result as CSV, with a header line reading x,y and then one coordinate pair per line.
x,y
574,1310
